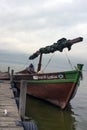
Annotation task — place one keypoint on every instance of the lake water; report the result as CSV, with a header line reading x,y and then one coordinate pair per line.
x,y
50,117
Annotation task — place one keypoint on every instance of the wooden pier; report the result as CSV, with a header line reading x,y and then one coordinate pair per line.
x,y
9,116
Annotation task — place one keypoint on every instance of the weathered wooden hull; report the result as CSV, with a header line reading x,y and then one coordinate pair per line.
x,y
57,88
4,76
57,93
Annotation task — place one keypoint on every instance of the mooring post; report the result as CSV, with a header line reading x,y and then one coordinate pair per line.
x,y
22,100
11,77
8,70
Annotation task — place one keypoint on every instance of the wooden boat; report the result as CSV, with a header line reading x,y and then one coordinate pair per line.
x,y
56,87
4,76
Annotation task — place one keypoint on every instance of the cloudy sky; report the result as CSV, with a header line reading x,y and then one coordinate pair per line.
x,y
27,25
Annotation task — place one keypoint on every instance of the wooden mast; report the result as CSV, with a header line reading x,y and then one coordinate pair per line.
x,y
39,64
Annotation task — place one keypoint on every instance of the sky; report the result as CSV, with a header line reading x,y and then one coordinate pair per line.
x,y
27,25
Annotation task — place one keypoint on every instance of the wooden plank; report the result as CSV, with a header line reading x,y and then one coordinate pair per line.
x,y
9,118
11,128
7,124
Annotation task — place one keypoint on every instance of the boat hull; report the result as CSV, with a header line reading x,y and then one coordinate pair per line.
x,y
57,93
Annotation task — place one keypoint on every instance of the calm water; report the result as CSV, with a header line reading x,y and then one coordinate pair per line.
x,y
50,117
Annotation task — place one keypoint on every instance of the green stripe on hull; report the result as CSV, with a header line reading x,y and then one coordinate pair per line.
x,y
53,81
70,77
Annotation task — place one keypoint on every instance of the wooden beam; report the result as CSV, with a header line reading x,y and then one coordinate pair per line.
x,y
22,100
39,64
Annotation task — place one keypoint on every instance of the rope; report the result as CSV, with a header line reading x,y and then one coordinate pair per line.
x,y
52,57
68,60
48,62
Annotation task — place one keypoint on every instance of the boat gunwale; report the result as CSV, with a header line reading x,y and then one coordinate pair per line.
x,y
53,73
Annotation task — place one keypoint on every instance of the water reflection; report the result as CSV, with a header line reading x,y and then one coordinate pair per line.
x,y
49,117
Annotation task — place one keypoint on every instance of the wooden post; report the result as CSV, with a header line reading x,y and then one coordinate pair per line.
x,y
11,78
22,100
39,64
8,70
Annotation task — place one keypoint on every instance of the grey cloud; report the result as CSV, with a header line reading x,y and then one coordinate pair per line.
x,y
32,15
40,21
